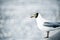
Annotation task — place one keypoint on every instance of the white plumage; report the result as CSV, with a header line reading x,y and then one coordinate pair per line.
x,y
40,21
46,25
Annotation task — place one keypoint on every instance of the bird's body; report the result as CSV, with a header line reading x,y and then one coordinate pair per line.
x,y
40,23
46,25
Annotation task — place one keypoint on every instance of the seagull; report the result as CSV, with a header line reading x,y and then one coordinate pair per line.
x,y
44,24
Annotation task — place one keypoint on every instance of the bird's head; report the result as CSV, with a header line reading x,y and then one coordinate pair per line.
x,y
35,15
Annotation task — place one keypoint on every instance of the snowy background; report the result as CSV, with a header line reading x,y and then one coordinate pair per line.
x,y
15,21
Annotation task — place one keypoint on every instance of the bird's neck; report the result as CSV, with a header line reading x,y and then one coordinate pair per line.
x,y
39,16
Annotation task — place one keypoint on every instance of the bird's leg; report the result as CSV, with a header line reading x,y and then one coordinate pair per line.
x,y
47,34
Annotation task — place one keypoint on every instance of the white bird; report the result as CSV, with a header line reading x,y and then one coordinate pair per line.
x,y
45,25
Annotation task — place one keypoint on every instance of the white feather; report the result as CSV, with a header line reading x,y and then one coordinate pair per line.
x,y
40,20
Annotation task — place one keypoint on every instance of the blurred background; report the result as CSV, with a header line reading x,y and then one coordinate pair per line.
x,y
15,21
